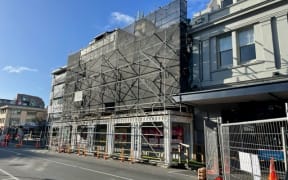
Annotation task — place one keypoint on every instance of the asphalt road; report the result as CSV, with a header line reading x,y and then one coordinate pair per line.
x,y
31,164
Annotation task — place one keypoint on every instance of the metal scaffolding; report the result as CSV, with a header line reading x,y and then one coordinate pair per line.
x,y
118,91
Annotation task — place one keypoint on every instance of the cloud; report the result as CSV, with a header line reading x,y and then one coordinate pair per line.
x,y
12,69
119,18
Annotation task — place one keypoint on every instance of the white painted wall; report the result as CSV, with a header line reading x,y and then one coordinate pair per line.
x,y
206,71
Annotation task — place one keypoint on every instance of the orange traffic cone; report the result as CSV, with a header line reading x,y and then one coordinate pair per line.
x,y
218,178
272,173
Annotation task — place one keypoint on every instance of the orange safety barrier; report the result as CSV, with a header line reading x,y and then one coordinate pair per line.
x,y
78,150
84,152
20,142
106,156
18,145
201,173
68,149
122,158
98,152
81,151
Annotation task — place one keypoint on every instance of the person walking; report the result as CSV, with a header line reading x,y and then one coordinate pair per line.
x,y
7,139
20,135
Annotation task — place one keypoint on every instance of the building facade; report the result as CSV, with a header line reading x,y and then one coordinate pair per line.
x,y
15,116
55,107
118,92
6,102
238,66
28,100
25,110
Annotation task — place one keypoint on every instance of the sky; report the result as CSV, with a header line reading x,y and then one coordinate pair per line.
x,y
36,36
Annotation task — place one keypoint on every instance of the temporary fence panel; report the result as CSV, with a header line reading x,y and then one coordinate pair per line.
x,y
100,138
82,136
151,138
122,139
55,137
180,143
152,142
66,136
248,148
211,147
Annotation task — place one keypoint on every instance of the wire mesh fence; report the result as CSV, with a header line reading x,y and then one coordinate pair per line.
x,y
249,147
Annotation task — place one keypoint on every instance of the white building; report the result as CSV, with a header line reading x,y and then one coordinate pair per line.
x,y
238,65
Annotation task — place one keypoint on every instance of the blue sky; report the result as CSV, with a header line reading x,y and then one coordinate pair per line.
x,y
36,36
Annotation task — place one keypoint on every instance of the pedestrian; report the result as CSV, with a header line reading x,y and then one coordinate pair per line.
x,y
20,135
2,138
7,139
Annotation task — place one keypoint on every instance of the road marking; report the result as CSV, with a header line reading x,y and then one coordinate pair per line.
x,y
69,165
8,174
87,169
178,172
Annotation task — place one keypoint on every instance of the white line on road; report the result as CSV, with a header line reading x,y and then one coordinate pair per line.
x,y
69,165
178,172
8,174
86,169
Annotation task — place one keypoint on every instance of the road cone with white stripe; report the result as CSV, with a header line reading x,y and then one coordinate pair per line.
x,y
272,171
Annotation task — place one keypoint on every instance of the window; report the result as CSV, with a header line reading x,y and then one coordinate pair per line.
x,y
225,51
246,45
226,3
3,111
31,113
109,106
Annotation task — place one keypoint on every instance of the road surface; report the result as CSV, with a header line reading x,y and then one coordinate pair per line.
x,y
31,164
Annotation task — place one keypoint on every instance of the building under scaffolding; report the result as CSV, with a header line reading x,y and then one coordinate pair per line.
x,y
116,94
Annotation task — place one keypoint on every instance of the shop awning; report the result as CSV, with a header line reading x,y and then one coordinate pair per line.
x,y
256,92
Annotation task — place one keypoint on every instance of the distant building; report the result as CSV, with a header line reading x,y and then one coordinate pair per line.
x,y
31,101
25,110
6,102
14,116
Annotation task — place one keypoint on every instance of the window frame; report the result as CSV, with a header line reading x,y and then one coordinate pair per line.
x,y
219,60
244,61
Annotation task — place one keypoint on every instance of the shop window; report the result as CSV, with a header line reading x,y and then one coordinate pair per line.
x,y
225,50
246,45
